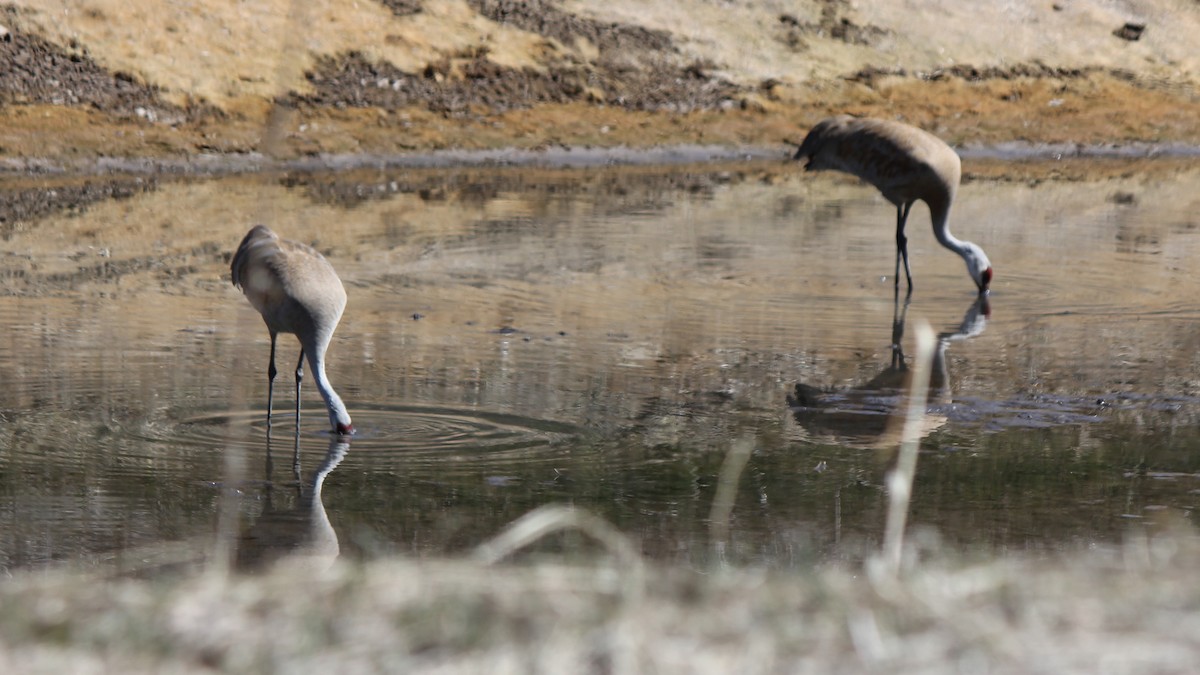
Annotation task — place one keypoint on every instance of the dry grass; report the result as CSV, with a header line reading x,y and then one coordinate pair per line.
x,y
1136,609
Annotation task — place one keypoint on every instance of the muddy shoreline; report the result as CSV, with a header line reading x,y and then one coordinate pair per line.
x,y
551,84
1022,157
635,96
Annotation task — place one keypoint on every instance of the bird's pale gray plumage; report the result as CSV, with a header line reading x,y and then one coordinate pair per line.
x,y
906,165
296,290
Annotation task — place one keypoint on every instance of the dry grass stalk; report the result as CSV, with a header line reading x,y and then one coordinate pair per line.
x,y
900,480
727,484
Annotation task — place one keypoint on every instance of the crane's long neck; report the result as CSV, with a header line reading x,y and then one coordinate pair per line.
x,y
339,418
939,210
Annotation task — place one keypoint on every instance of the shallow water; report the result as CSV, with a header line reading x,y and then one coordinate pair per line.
x,y
601,337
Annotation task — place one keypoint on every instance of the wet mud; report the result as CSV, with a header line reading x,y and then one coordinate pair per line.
x,y
636,69
475,84
38,71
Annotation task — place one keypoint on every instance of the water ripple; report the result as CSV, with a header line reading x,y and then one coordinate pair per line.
x,y
404,430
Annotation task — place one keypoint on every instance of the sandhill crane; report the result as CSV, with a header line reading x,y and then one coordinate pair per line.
x,y
296,290
906,164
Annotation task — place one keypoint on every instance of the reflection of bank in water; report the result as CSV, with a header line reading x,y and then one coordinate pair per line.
x,y
300,534
871,415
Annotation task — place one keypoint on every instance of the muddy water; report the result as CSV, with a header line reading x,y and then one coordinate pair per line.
x,y
601,337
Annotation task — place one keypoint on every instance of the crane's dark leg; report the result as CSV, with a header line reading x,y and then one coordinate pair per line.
x,y
902,244
898,319
296,464
271,384
299,376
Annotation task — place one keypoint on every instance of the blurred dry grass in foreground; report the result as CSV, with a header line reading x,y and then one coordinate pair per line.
x,y
1130,609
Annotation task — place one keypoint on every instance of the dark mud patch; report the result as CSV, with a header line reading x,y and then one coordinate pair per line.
x,y
447,87
636,69
832,24
970,73
37,71
23,205
612,39
403,7
474,84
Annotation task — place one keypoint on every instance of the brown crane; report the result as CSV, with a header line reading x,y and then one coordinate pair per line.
x,y
906,164
296,290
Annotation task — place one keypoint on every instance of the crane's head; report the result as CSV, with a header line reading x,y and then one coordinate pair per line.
x,y
978,265
816,139
338,417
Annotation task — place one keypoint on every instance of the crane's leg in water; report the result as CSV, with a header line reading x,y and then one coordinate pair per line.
x,y
898,318
902,244
299,376
271,383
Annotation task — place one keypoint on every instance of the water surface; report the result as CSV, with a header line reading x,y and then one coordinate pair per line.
x,y
600,337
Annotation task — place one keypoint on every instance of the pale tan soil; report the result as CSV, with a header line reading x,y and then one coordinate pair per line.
x,y
373,77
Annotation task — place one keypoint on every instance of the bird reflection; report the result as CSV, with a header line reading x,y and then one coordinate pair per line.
x,y
302,533
870,415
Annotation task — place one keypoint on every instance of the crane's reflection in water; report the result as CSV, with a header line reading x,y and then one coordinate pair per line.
x,y
870,415
301,534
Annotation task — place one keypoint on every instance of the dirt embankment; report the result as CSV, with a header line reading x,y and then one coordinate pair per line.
x,y
103,80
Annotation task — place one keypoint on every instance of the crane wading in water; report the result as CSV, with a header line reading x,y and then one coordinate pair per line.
x,y
296,290
906,164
